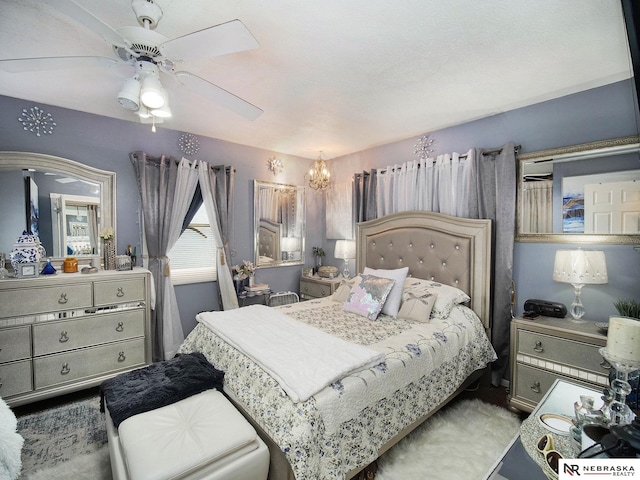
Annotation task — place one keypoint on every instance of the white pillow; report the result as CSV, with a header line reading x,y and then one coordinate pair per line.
x,y
447,296
392,305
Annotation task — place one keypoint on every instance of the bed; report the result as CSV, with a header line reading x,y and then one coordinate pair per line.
x,y
342,428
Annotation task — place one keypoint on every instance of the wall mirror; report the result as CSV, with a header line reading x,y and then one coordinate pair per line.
x,y
68,203
588,193
279,224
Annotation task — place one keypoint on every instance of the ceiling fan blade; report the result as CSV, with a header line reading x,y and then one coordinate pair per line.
x,y
54,63
221,39
218,95
89,20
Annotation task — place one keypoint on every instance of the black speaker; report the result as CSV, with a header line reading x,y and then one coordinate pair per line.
x,y
543,307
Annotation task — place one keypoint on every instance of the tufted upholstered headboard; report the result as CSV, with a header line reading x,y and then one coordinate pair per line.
x,y
269,239
451,250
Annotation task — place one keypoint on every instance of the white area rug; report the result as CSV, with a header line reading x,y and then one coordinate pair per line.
x,y
460,443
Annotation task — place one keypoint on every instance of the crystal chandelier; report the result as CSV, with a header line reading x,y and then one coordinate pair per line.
x,y
319,174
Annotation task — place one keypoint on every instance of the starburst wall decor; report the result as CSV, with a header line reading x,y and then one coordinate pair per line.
x,y
188,143
275,165
424,147
37,121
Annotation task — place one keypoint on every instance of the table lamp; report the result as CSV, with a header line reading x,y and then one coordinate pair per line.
x,y
579,268
345,249
623,352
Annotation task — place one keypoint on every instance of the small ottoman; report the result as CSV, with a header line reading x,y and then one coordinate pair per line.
x,y
200,437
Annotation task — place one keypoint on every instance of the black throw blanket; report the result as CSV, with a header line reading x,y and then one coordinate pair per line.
x,y
158,385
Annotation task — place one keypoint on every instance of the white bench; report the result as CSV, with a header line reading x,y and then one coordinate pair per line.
x,y
200,437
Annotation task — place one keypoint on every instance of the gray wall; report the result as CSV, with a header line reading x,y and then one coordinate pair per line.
x,y
105,143
597,114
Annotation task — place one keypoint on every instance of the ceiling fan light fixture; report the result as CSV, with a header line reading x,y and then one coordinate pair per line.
x,y
144,112
164,111
151,93
129,96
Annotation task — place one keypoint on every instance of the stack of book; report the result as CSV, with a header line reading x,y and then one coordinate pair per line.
x,y
258,287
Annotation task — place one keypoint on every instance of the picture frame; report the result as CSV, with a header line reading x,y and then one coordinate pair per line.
x,y
28,270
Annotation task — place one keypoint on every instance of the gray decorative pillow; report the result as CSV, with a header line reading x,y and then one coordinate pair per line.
x,y
447,296
368,296
417,307
344,289
392,305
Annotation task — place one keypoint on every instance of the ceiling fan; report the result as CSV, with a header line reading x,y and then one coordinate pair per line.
x,y
152,54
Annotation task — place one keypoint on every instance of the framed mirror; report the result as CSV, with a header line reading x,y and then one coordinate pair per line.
x,y
70,203
588,193
279,224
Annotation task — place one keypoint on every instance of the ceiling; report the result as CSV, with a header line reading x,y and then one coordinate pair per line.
x,y
337,76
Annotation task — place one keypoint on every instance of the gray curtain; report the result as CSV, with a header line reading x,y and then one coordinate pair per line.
x,y
157,178
219,182
495,198
364,196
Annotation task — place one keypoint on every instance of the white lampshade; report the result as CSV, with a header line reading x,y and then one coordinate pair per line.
x,y
129,96
345,249
289,244
164,111
581,267
151,93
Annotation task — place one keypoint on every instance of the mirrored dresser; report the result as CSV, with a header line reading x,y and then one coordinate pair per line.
x,y
69,331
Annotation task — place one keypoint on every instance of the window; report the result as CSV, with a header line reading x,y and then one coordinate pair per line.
x,y
193,257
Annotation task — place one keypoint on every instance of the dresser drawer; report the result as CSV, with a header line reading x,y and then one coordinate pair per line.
x,y
315,290
32,301
582,355
15,378
60,336
532,383
15,343
118,291
86,363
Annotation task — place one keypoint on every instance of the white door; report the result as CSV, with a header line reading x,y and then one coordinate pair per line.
x,y
612,208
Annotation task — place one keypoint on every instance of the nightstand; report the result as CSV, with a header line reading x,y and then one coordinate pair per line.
x,y
317,287
545,349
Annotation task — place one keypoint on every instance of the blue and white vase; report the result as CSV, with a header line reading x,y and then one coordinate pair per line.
x,y
27,249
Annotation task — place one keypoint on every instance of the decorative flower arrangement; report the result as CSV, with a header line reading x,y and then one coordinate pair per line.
x,y
318,251
107,233
247,269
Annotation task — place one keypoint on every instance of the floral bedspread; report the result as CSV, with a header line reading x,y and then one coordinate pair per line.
x,y
342,427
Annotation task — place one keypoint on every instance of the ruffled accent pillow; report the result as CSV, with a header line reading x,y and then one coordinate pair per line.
x,y
368,296
392,305
344,289
447,296
417,306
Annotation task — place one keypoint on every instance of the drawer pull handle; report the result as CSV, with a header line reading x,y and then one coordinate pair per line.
x,y
538,348
64,337
536,387
605,364
65,369
63,299
121,357
120,327
120,292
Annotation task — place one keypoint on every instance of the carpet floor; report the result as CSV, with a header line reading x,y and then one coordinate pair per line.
x,y
462,443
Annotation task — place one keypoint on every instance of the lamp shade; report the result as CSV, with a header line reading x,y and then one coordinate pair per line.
x,y
129,96
345,249
152,94
580,267
289,244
